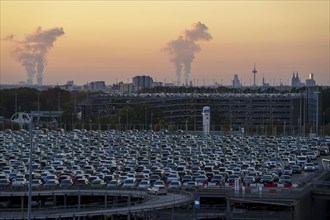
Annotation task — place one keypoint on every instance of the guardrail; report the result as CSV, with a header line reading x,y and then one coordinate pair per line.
x,y
151,203
322,185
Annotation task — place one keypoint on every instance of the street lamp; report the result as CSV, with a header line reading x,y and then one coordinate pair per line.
x,y
317,112
23,118
152,114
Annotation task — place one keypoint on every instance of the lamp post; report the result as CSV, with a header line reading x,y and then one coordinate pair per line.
x,y
24,118
317,112
30,172
152,114
38,107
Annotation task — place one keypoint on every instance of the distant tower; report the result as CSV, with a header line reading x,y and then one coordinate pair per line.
x,y
254,71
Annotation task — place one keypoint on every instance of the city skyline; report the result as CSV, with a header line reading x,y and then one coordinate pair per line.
x,y
114,41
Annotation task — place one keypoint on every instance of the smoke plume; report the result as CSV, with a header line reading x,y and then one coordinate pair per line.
x,y
31,52
183,49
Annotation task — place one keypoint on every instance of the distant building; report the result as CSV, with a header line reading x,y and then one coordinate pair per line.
x,y
141,82
264,84
97,85
158,84
70,83
125,88
310,81
257,113
169,84
236,82
313,108
295,81
68,86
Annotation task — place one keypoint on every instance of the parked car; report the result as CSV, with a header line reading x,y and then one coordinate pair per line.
x,y
52,183
36,183
285,179
83,182
249,180
144,184
267,179
296,169
312,155
4,183
309,167
159,183
302,160
98,183
113,184
66,183
175,184
288,170
190,185
130,183
19,183
157,190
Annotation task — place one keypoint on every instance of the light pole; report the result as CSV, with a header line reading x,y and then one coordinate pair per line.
x,y
145,118
24,118
317,112
30,172
15,102
38,107
127,118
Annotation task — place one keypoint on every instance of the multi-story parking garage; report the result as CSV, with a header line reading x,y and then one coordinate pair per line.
x,y
270,114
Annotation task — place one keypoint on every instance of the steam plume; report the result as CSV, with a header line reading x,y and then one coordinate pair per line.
x,y
31,52
184,48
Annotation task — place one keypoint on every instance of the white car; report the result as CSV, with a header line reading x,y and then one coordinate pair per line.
x,y
19,182
309,167
175,184
36,183
144,184
129,183
157,190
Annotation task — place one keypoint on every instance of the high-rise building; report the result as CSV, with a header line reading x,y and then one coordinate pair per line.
x,y
236,82
97,85
140,82
310,81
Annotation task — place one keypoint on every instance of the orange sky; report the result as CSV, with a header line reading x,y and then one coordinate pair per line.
x,y
109,40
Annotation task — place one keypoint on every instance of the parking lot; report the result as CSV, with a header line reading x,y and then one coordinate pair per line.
x,y
142,159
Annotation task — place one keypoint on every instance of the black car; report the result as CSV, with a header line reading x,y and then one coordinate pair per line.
x,y
296,169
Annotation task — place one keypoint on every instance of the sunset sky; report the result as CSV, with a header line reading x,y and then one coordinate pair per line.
x,y
116,40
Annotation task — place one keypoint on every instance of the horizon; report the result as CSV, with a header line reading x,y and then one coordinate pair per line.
x,y
115,41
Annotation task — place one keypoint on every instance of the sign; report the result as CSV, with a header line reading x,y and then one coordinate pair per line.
x,y
197,203
21,118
